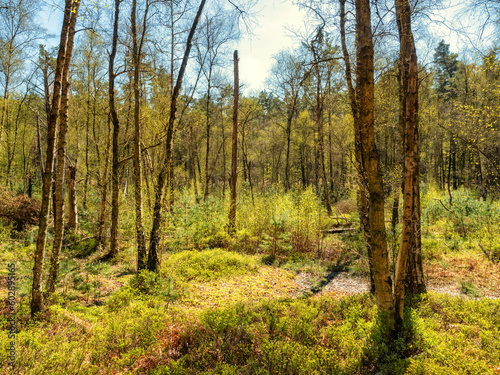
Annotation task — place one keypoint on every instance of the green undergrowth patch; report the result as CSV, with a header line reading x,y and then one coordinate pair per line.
x,y
138,333
192,265
321,335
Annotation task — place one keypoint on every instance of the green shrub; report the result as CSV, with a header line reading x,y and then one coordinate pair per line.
x,y
467,214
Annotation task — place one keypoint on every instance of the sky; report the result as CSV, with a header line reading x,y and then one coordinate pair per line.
x,y
270,36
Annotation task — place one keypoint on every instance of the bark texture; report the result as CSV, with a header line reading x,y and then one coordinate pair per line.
x,y
363,204
115,172
136,160
365,99
61,158
409,272
36,289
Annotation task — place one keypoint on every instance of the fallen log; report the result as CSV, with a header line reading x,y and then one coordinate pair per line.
x,y
339,230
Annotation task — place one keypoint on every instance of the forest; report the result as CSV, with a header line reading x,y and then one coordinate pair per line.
x,y
157,217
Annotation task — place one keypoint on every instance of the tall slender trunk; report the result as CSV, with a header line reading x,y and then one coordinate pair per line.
x,y
61,161
36,290
139,221
234,158
409,273
207,151
115,173
363,204
365,97
153,260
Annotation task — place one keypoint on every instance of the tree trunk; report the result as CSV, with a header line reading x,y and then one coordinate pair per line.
x,y
363,204
153,260
365,97
409,274
234,158
36,290
115,172
61,161
136,160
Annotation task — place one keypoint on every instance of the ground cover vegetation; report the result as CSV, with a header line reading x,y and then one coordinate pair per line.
x,y
155,219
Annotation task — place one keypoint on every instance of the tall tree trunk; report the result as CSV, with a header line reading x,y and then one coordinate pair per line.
x,y
363,204
139,221
36,290
365,97
115,172
61,159
409,273
153,260
234,158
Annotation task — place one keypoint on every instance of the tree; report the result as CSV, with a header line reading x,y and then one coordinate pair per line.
x,y
137,45
217,32
18,31
113,243
409,272
288,76
365,109
68,26
363,204
234,153
153,260
447,65
61,159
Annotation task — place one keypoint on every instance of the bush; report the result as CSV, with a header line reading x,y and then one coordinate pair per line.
x,y
467,214
19,210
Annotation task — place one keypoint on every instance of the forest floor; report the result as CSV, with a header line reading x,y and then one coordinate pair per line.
x,y
216,311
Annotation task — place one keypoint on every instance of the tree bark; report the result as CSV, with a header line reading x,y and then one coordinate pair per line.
x,y
153,260
363,204
136,160
115,173
61,158
234,154
36,290
365,98
409,272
